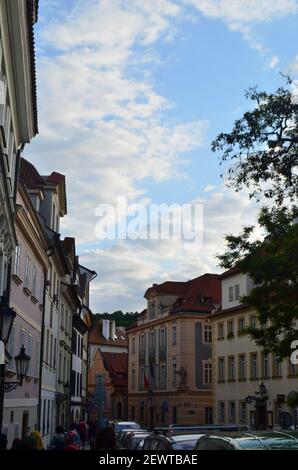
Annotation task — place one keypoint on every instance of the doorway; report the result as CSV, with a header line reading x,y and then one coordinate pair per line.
x,y
25,422
261,421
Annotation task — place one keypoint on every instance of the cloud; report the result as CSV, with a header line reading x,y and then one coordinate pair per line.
x,y
141,263
243,16
273,62
101,121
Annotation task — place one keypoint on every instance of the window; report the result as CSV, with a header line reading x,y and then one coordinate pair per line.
x,y
277,366
230,328
220,330
293,369
51,315
30,340
151,310
47,347
17,260
207,334
231,294
41,289
207,374
54,359
152,339
237,291
231,368
221,369
133,345
241,324
10,347
232,411
22,337
142,377
221,411
34,281
266,365
162,337
242,367
174,335
51,351
62,316
27,272
37,361
174,370
142,343
133,378
254,366
162,374
253,321
242,412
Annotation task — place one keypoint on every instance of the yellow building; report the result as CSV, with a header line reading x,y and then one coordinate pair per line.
x,y
169,356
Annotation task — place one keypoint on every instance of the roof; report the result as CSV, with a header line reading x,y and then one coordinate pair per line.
x,y
197,295
33,180
230,272
116,365
96,336
32,11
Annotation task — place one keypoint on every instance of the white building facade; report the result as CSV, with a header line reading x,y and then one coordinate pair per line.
x,y
250,387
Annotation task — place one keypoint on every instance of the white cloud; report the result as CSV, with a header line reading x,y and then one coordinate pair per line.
x,y
101,123
243,15
273,62
141,263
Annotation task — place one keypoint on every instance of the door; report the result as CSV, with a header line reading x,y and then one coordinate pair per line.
x,y
261,422
25,422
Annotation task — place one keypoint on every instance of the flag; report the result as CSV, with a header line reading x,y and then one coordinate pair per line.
x,y
146,382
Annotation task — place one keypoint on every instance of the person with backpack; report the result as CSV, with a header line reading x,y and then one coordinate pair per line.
x,y
58,441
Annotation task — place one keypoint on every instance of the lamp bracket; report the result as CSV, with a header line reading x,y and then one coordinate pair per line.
x,y
10,386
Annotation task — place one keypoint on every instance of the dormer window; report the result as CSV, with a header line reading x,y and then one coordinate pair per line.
x,y
151,308
231,294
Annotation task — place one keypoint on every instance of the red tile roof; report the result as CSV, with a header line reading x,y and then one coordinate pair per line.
x,y
116,365
167,288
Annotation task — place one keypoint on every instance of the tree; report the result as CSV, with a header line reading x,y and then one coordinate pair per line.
x,y
262,151
262,148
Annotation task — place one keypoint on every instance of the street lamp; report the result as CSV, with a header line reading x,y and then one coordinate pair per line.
x,y
22,365
7,316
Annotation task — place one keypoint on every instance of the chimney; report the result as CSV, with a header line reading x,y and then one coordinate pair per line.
x,y
112,329
106,329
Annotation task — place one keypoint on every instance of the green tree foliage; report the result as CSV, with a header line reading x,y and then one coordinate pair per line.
x,y
262,155
121,319
262,149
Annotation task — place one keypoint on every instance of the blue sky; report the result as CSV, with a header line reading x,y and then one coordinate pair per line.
x,y
131,94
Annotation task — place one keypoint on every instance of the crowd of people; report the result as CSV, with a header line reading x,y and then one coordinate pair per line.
x,y
81,436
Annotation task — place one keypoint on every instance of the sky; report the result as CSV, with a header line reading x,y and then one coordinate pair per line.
x,y
131,94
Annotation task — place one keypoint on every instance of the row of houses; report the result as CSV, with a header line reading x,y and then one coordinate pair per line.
x,y
43,286
189,361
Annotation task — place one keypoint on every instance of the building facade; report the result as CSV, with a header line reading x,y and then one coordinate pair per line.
x,y
170,363
250,387
30,265
18,116
107,371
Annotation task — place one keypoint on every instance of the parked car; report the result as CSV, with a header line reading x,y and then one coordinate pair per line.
x,y
178,429
126,438
123,434
263,440
119,425
136,440
176,442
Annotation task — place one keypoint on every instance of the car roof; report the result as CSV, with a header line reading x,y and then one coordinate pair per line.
x,y
186,437
263,439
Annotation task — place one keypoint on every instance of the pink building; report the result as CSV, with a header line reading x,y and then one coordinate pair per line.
x,y
29,270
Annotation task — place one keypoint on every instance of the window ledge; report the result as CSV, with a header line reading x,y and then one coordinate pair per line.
x,y
16,279
27,291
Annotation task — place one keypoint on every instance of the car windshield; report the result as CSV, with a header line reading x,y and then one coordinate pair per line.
x,y
185,442
121,426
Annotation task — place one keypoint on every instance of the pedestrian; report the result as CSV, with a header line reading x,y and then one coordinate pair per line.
x,y
82,433
3,441
106,440
38,441
71,442
73,428
16,444
58,441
